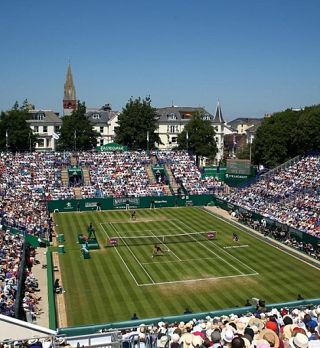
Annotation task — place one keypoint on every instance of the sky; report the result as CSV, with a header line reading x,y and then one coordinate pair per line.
x,y
255,56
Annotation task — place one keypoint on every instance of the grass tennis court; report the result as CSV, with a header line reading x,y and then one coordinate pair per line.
x,y
194,271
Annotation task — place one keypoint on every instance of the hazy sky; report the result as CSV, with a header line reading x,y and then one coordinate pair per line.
x,y
255,56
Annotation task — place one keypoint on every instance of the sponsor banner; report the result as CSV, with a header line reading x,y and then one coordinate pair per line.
x,y
68,206
91,204
111,147
236,176
122,203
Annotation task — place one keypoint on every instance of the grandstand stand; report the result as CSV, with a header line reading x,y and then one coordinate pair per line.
x,y
290,196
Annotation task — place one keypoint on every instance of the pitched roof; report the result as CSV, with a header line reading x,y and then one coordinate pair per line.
x,y
245,120
218,118
69,89
180,113
43,117
99,116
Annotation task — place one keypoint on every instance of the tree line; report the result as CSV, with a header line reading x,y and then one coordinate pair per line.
x,y
137,129
285,135
280,137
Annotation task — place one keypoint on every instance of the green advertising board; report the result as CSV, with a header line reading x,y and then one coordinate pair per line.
x,y
236,179
111,147
91,204
74,170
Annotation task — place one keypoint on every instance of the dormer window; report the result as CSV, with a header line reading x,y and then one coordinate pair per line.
x,y
206,117
96,116
39,116
172,116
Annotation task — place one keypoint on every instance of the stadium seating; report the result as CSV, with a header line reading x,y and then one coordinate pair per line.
x,y
290,196
186,173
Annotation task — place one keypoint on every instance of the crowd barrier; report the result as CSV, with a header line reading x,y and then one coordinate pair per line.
x,y
91,204
299,235
18,311
91,329
51,294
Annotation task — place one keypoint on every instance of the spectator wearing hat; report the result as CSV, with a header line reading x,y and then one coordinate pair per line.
x,y
299,341
227,336
174,343
271,337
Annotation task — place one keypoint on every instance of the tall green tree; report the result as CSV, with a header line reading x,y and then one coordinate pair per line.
x,y
198,136
276,139
76,132
137,124
307,136
15,132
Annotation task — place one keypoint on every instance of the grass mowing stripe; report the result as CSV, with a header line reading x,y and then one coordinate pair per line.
x,y
125,264
244,266
281,275
134,256
214,253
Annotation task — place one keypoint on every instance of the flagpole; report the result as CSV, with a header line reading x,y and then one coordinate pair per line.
x,y
187,140
30,144
7,143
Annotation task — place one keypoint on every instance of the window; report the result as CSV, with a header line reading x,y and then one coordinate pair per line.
x,y
39,116
48,142
101,129
172,116
173,129
40,142
45,129
36,129
174,140
96,116
101,142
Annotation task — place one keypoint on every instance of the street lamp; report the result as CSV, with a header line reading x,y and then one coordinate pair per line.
x,y
75,140
250,151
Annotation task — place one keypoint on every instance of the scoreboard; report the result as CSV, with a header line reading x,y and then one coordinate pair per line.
x,y
236,166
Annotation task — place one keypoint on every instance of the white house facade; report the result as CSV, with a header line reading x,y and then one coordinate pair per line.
x,y
45,124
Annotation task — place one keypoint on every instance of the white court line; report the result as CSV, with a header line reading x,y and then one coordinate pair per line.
x,y
255,235
217,246
132,253
236,246
167,247
185,260
135,280
175,281
211,251
141,221
152,230
200,279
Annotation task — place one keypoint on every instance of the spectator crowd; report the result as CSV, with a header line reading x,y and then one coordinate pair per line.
x,y
290,196
283,328
187,173
11,248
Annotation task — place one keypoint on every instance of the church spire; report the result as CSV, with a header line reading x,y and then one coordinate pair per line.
x,y
69,99
218,116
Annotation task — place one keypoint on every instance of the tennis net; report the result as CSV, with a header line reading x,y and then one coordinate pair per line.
x,y
162,239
